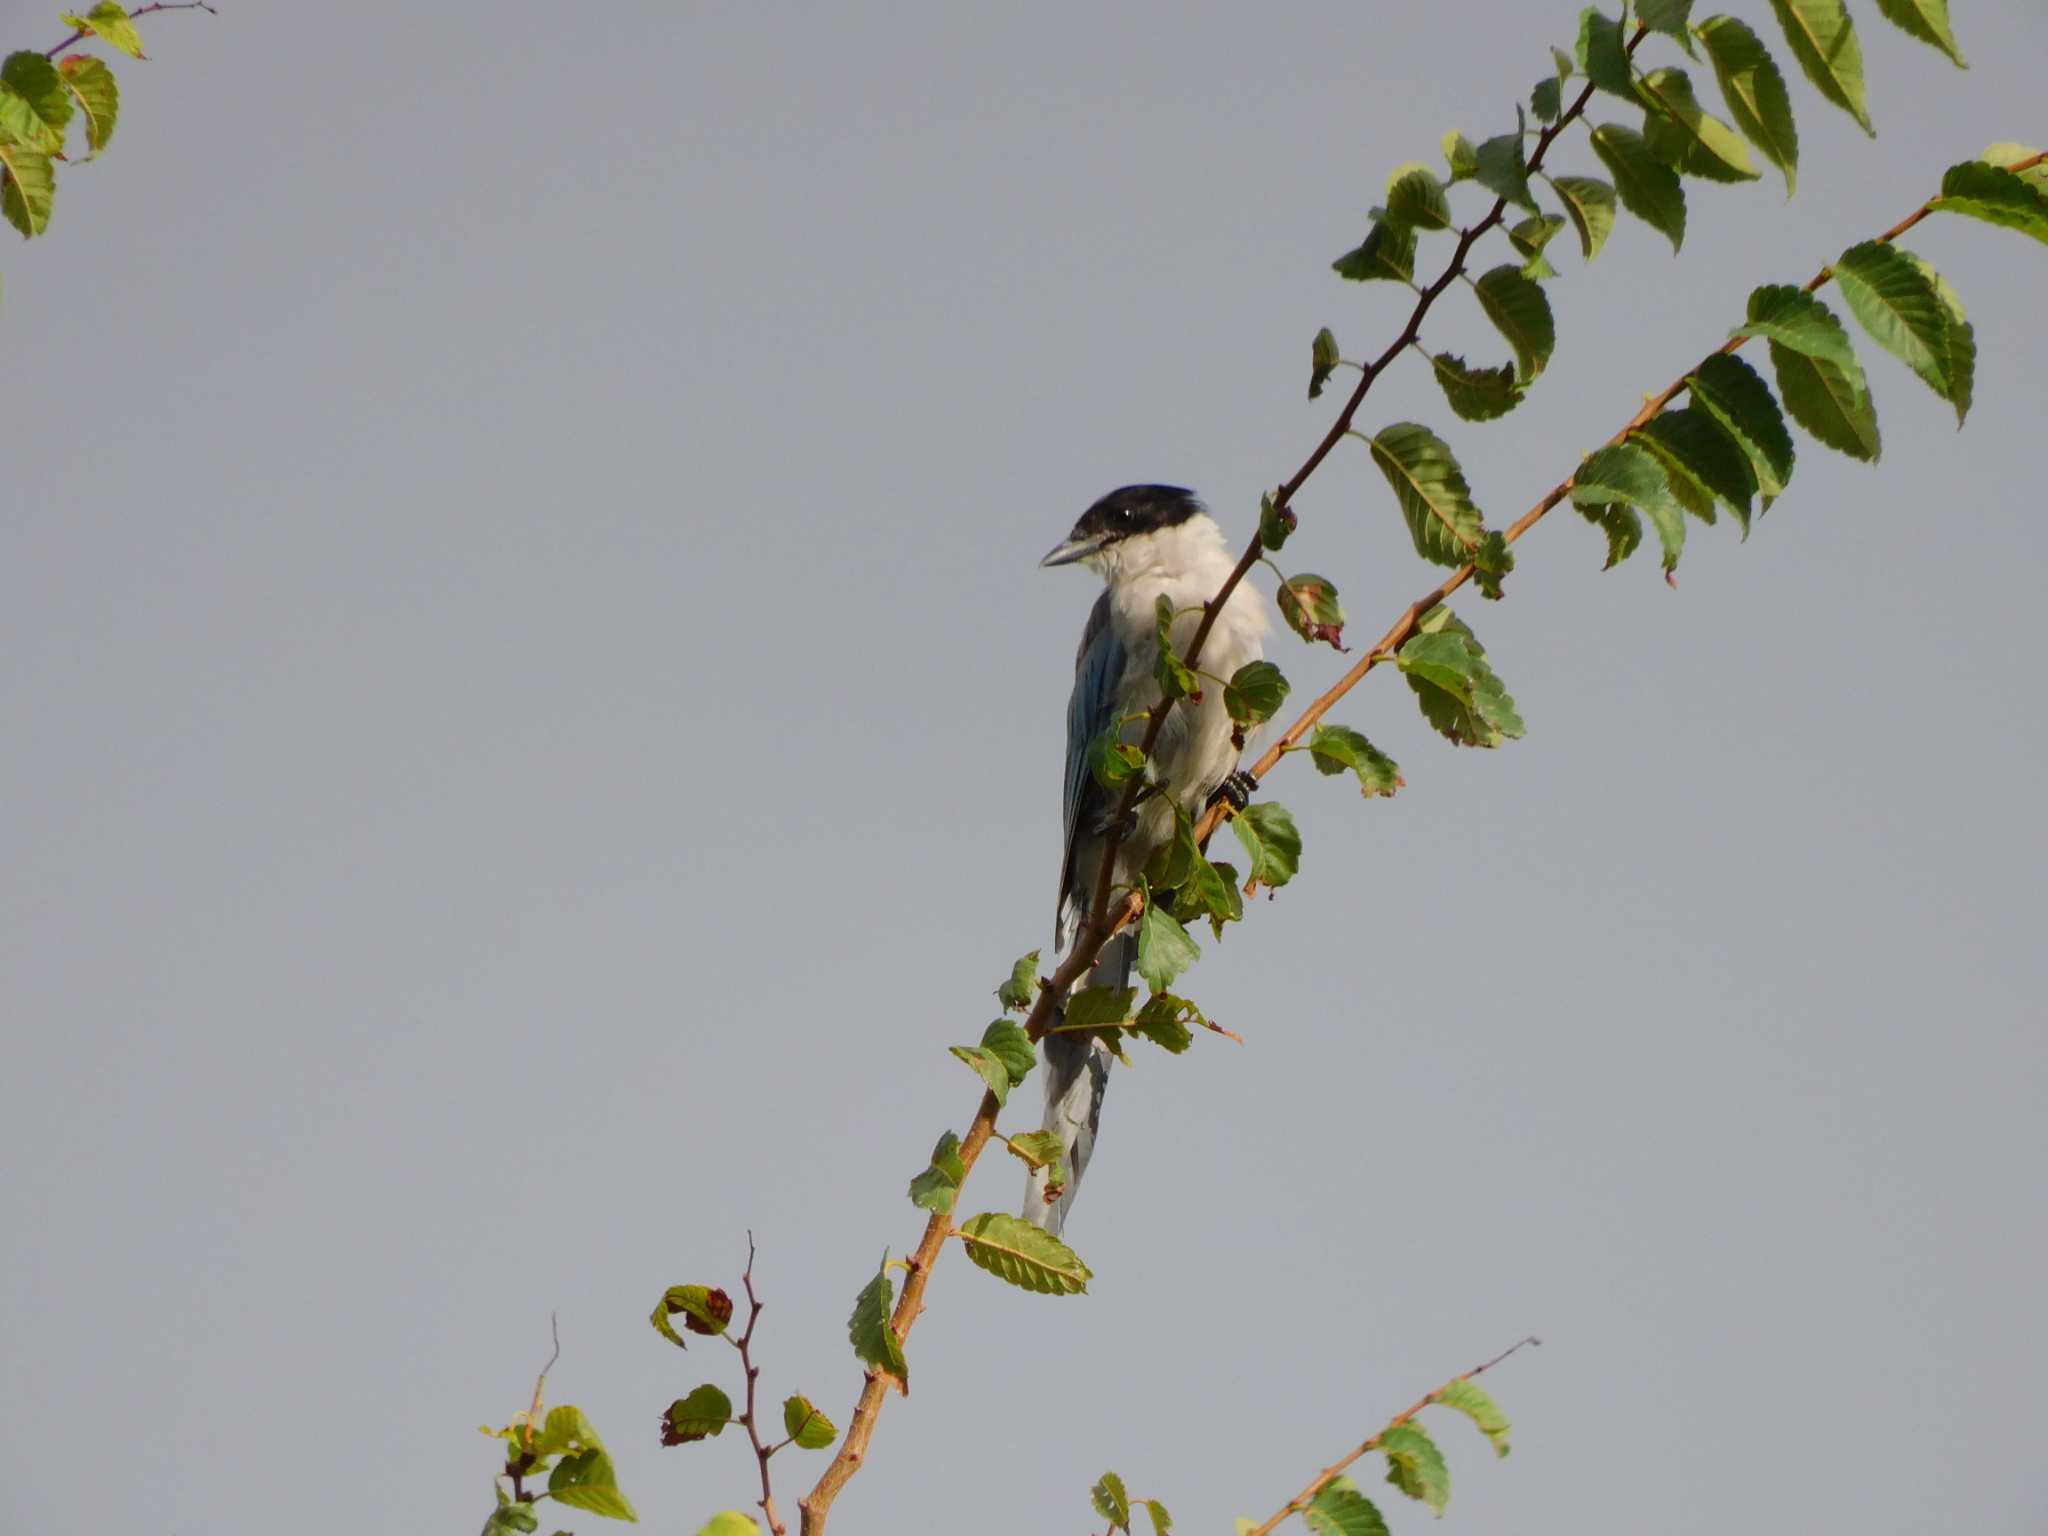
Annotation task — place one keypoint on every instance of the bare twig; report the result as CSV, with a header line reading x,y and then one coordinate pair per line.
x,y
84,32
744,1344
1329,1474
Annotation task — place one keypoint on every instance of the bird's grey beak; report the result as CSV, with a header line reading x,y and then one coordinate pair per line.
x,y
1077,548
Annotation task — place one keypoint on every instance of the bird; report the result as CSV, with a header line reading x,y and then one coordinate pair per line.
x,y
1146,542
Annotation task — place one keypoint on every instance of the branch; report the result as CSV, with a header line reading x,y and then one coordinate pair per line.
x,y
1329,1474
742,1344
84,32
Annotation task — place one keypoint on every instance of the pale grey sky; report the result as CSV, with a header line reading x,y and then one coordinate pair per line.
x,y
532,721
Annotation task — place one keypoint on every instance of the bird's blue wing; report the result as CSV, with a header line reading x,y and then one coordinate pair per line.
x,y
1098,669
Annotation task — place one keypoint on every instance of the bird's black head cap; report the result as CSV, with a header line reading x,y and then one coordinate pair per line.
x,y
1138,509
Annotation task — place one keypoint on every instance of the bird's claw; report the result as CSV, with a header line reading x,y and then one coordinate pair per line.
x,y
1237,789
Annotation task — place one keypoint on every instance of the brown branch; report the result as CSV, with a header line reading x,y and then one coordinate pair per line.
x,y
744,1345
1329,1474
84,32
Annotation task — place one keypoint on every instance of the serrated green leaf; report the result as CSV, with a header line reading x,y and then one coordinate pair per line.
x,y
111,24
1005,1040
1387,255
1755,92
936,1188
1112,761
1685,136
1995,195
1322,361
1169,868
1667,16
1649,188
1735,395
1500,166
1897,303
1823,40
874,1341
710,1308
1624,529
1603,54
988,1067
1021,989
92,85
1794,317
565,1431
28,187
1477,1404
1255,692
1311,608
1628,476
589,1482
2009,156
807,1428
511,1516
1038,1149
1271,842
1162,1522
1926,20
1165,949
706,1411
730,1522
1176,679
1026,1256
1415,198
1459,155
35,105
1458,691
1491,562
1110,1500
1817,370
1702,462
1477,394
1099,1007
1338,748
1275,522
1415,1465
1341,1510
1430,487
1959,370
1529,236
1163,1021
1590,202
1518,309
1211,892
1547,100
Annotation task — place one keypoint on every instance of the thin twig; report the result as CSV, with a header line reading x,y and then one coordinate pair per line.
x,y
1332,1472
84,32
744,1344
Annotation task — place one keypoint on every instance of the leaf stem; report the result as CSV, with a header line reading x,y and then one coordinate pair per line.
x,y
84,32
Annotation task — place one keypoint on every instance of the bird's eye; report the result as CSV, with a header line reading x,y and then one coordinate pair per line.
x,y
1125,514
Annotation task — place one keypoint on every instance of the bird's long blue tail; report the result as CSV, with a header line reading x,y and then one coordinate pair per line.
x,y
1076,1076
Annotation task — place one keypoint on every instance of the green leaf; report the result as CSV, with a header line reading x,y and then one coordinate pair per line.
x,y
1415,198
1415,1465
28,188
510,1516
1530,236
1602,53
1547,100
1275,522
709,1309
1500,166
988,1067
1026,1256
1211,892
1518,309
1590,202
35,106
589,1482
1668,17
1685,136
1387,255
2008,156
1477,1404
1336,748
730,1522
1322,361
1459,155
99,98
1735,395
565,1431
1110,1500
706,1411
874,1341
1099,1007
111,24
1341,1510
1823,40
808,1428
1477,394
934,1190
1457,690
1995,195
1006,1041
1164,947
1162,1522
1038,1149
1169,868
1430,487
1491,562
1163,1021
1255,692
1112,761
1270,840
1649,188
1176,679
1624,529
1022,987
1629,476
1818,373
1928,21
1755,92
1959,369
1895,300
1701,461
1309,605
